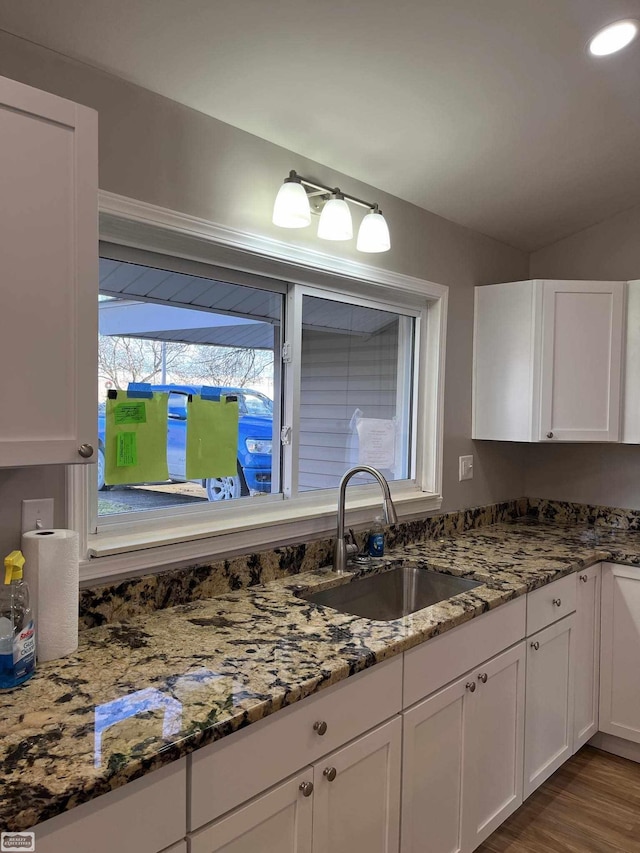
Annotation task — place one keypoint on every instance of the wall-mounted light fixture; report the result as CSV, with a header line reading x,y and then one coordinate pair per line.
x,y
297,198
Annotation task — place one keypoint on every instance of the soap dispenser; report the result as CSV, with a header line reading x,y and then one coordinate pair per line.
x,y
375,545
17,628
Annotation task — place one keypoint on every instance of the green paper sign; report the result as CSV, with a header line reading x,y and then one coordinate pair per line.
x,y
212,438
135,442
127,452
130,413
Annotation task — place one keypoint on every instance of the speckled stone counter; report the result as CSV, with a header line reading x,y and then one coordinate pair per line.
x,y
141,693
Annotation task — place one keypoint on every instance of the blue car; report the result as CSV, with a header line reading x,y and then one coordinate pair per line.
x,y
255,436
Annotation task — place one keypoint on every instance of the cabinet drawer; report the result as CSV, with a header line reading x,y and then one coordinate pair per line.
x,y
552,602
229,772
143,816
440,660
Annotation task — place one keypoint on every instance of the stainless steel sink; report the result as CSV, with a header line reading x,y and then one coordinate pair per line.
x,y
390,595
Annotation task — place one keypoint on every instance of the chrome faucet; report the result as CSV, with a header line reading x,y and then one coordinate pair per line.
x,y
342,549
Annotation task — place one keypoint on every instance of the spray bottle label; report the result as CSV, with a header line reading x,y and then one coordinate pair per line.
x,y
24,651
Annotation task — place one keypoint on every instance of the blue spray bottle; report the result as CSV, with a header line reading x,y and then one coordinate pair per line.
x,y
17,628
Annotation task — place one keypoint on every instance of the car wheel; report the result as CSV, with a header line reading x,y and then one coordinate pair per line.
x,y
101,484
226,488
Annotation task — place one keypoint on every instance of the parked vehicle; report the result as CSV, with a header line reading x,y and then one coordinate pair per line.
x,y
255,429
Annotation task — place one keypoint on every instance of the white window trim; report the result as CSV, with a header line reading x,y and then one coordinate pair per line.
x,y
145,546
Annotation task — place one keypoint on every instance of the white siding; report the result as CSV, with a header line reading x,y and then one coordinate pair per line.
x,y
341,373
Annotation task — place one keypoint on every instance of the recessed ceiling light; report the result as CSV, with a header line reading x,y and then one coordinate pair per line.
x,y
614,37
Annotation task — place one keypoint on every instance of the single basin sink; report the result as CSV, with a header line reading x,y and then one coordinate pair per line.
x,y
390,595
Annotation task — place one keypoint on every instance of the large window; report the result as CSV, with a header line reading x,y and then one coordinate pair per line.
x,y
239,378
336,389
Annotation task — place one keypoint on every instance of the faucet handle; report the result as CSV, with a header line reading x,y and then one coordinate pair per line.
x,y
350,544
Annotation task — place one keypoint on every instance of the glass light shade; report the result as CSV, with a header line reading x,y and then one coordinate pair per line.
x,y
613,38
291,208
335,221
373,235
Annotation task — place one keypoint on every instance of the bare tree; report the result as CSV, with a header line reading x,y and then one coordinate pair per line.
x,y
232,366
122,360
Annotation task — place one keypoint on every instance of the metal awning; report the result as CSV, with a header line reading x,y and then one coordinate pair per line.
x,y
125,318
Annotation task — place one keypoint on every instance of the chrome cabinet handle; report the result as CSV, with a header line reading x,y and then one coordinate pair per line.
x,y
306,788
535,645
584,578
557,602
86,451
549,435
330,773
483,677
471,686
320,727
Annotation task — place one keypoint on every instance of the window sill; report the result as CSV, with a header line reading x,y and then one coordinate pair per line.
x,y
129,551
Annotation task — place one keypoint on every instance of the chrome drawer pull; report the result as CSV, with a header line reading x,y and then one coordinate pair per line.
x,y
483,677
306,788
471,686
557,602
320,727
330,773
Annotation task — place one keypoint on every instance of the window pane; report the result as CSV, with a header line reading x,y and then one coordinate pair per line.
x,y
355,392
179,333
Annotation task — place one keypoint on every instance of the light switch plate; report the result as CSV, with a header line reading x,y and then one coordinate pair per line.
x,y
465,469
37,514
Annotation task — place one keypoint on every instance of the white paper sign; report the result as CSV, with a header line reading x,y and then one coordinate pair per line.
x,y
377,442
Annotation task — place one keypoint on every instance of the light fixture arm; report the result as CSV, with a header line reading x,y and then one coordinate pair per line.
x,y
323,190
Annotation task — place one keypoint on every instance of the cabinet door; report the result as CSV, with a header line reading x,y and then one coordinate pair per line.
x,y
494,742
357,795
586,657
49,251
620,652
549,702
277,822
582,333
433,765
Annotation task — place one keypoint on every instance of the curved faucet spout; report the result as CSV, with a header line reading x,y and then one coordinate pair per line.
x,y
342,549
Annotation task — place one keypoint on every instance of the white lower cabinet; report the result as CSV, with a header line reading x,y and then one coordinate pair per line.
x,y
620,652
462,758
279,821
357,795
586,665
347,803
549,702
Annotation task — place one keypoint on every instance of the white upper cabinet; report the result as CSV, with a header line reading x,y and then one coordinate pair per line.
x,y
548,361
49,263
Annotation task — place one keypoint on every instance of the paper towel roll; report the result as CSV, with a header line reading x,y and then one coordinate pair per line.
x,y
51,570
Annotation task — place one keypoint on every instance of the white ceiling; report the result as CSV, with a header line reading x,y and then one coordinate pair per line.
x,y
487,112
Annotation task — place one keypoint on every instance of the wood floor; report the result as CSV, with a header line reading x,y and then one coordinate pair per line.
x,y
590,805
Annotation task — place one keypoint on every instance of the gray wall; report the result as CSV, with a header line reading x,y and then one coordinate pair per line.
x,y
158,151
592,473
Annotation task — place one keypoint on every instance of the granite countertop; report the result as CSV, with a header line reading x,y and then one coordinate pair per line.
x,y
139,694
